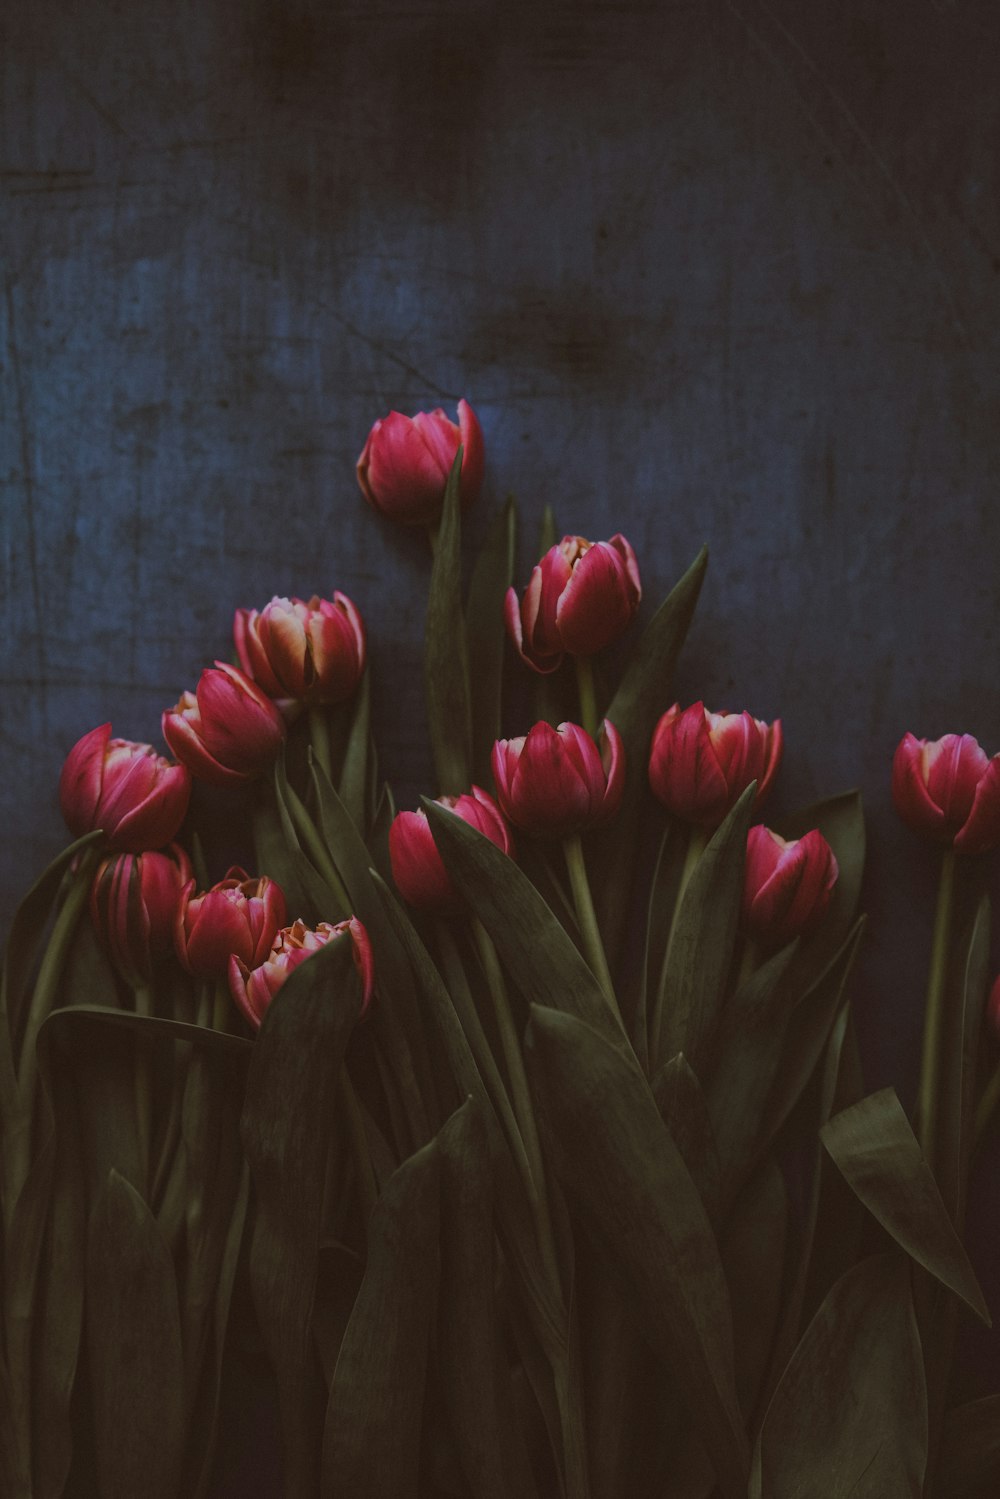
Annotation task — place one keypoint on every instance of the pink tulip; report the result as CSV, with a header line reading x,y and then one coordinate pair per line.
x,y
138,798
787,885
554,783
582,595
134,900
253,989
313,652
700,763
949,790
238,915
417,867
404,467
227,731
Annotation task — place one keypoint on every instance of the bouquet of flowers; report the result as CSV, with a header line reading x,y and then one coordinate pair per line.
x,y
524,1130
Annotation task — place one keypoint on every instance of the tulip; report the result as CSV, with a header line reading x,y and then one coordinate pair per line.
x,y
136,796
313,652
134,901
787,885
949,790
417,867
700,763
404,468
582,595
238,915
227,731
555,783
253,989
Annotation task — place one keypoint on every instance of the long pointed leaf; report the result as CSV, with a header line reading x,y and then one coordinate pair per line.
x,y
446,666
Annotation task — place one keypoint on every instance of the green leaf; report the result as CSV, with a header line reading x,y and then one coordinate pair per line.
x,y
278,855
134,1348
371,1441
957,1102
491,577
753,1257
323,900
635,1194
352,785
848,1419
76,1018
446,667
878,1154
659,908
548,532
970,1449
684,1110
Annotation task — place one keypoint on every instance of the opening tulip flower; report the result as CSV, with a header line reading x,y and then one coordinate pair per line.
x,y
134,901
239,915
949,790
312,652
253,989
406,461
700,763
582,595
136,796
554,783
228,730
787,885
417,867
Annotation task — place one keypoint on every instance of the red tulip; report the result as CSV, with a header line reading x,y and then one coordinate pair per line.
x,y
417,867
253,989
404,468
582,595
949,790
557,782
228,730
993,1009
133,904
313,652
238,915
787,885
700,763
136,796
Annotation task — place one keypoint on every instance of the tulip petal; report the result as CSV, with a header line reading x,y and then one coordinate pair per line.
x,y
912,800
473,454
981,830
80,780
597,603
952,769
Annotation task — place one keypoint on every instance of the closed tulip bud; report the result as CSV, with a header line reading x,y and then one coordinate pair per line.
x,y
700,763
227,731
554,783
133,904
313,652
949,790
136,796
404,468
417,867
787,885
582,595
238,915
253,989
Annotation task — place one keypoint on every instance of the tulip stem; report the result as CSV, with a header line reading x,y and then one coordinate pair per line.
x,y
588,696
935,1013
987,1107
697,840
364,1171
314,847
593,947
319,738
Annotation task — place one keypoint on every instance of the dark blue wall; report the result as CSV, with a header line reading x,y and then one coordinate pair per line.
x,y
722,271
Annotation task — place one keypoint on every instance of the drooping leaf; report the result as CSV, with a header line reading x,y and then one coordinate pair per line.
x,y
874,1147
970,1449
491,576
446,665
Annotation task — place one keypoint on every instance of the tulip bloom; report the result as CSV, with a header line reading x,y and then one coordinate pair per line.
x,y
313,652
949,790
554,783
582,595
787,885
403,470
253,989
700,763
417,867
238,915
227,731
136,796
133,904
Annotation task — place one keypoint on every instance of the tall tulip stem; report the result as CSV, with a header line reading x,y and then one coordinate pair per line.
x,y
935,1013
319,738
587,694
697,840
593,947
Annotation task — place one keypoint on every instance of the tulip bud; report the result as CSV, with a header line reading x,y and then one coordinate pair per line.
x,y
417,867
582,595
701,763
554,783
227,731
949,790
253,989
313,652
238,915
404,468
787,885
138,798
133,904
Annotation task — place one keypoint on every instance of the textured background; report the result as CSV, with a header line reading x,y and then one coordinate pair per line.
x,y
715,271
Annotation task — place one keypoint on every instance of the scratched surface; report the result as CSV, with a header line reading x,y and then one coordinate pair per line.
x,y
720,271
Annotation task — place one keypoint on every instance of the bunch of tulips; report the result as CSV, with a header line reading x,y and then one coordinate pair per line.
x,y
524,1131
